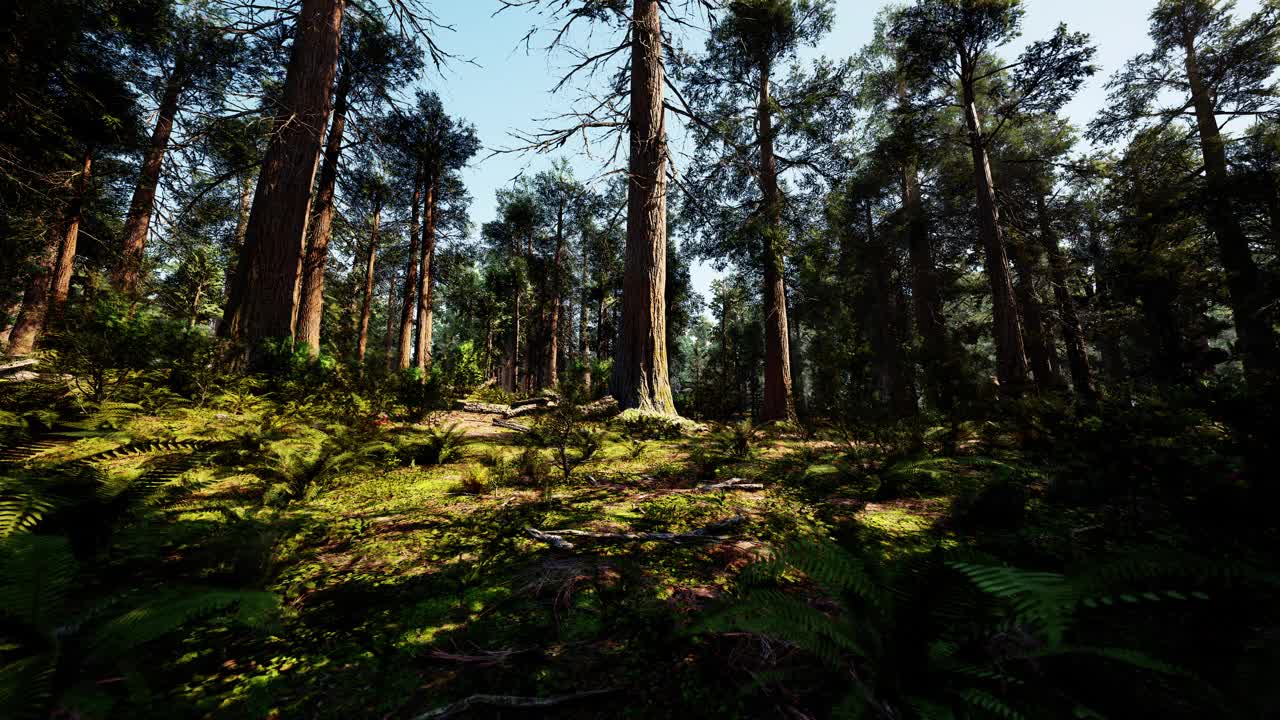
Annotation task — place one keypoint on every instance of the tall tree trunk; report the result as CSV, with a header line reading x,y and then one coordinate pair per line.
x,y
1011,355
882,323
35,300
925,294
1035,338
553,323
584,345
797,366
1072,330
778,401
366,306
426,273
1248,299
231,325
311,295
277,227
640,376
411,274
65,266
138,222
390,338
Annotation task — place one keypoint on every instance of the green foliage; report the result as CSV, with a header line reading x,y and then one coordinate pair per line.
x,y
932,637
433,446
59,652
737,440
651,426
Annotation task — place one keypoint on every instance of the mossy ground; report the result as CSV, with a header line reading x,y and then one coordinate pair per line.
x,y
400,592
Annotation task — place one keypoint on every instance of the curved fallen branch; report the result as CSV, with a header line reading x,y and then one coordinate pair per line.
x,y
512,426
509,701
557,538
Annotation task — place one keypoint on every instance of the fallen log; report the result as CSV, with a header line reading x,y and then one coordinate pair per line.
x,y
734,484
15,366
556,538
540,400
604,407
509,701
481,408
512,426
526,409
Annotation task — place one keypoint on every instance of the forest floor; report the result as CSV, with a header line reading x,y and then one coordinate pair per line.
x,y
406,589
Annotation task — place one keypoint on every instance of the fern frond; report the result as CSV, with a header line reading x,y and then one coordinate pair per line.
x,y
1040,599
168,613
26,687
826,564
35,574
989,704
786,618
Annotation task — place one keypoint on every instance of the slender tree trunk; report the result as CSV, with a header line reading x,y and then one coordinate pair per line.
x,y
426,274
778,401
390,338
311,295
885,343
35,300
411,275
366,306
1035,337
65,267
584,345
925,294
138,222
1072,330
640,377
797,366
553,324
1011,355
277,227
1257,340
237,276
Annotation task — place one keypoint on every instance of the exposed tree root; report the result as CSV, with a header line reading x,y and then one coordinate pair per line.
x,y
557,538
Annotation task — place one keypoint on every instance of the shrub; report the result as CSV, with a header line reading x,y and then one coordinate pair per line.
x,y
652,426
475,481
434,446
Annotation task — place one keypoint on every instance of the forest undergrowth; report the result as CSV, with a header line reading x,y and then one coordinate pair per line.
x,y
316,548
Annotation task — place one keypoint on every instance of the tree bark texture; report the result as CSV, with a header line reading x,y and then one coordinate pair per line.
x,y
138,222
1036,339
1011,355
366,305
311,295
277,228
35,300
66,264
1249,304
1069,317
778,404
411,275
426,271
640,376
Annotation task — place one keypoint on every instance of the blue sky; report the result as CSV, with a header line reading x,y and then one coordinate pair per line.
x,y
507,89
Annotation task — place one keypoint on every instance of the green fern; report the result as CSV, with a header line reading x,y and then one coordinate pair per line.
x,y
36,574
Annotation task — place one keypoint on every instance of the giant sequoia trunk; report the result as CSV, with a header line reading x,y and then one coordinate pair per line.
x,y
426,277
311,295
411,276
1072,330
277,227
1011,355
640,378
1248,298
138,222
65,266
366,304
778,403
